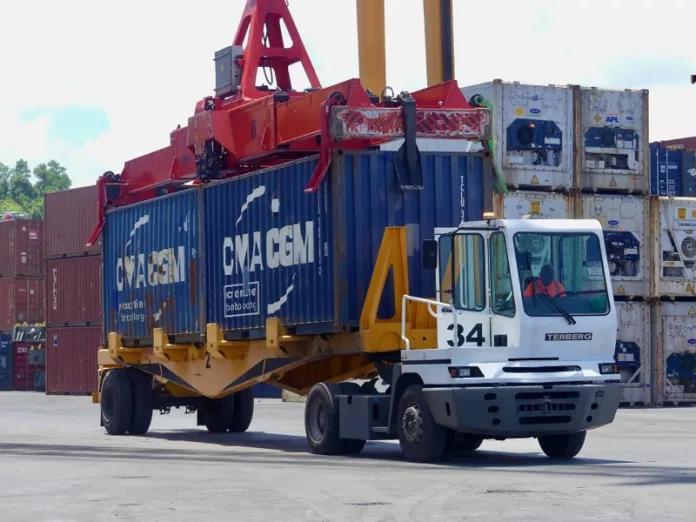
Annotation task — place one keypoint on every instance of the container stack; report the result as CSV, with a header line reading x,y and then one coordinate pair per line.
x,y
673,226
577,152
73,292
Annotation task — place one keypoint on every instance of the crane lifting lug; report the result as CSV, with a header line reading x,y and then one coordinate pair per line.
x,y
407,160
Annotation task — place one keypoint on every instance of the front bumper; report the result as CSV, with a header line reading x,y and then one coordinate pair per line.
x,y
525,411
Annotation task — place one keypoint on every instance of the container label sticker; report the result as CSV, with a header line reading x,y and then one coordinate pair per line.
x,y
689,287
535,180
620,290
240,301
597,118
692,311
691,341
681,213
535,111
613,223
536,207
519,111
612,183
33,235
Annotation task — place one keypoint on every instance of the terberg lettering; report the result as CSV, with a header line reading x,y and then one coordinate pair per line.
x,y
568,336
163,267
283,247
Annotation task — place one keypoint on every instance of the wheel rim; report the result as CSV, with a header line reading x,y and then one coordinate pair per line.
x,y
317,421
107,406
412,424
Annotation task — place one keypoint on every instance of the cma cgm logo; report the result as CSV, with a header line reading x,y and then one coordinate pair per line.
x,y
161,267
287,246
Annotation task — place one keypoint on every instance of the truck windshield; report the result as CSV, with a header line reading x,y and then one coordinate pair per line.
x,y
561,274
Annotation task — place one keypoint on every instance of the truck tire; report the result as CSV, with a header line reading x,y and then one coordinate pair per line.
x,y
420,438
243,410
321,420
562,446
217,414
141,392
116,402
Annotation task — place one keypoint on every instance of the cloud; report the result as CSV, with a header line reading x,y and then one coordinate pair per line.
x,y
145,64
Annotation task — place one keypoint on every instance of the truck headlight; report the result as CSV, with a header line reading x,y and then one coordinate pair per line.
x,y
608,368
465,371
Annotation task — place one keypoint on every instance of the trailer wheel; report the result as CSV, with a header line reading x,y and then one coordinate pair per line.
x,y
116,402
321,420
420,438
243,410
562,446
141,392
217,414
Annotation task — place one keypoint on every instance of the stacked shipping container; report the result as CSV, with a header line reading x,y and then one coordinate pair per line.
x,y
571,151
73,292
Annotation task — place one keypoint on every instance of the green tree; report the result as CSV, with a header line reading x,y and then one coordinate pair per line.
x,y
50,177
19,192
4,180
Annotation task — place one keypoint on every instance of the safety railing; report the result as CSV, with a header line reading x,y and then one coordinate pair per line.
x,y
404,306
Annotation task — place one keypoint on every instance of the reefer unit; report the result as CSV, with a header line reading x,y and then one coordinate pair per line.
x,y
633,354
674,339
21,301
545,205
532,132
613,139
73,291
624,221
255,247
70,216
666,174
674,263
71,360
21,248
6,366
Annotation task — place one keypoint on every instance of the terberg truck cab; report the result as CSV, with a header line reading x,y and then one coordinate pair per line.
x,y
526,331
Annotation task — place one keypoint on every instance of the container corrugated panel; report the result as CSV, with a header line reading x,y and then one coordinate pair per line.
x,y
152,269
675,260
544,205
624,221
73,291
613,139
675,341
533,132
6,362
70,217
274,251
688,163
679,143
666,172
71,360
633,350
21,248
29,366
21,301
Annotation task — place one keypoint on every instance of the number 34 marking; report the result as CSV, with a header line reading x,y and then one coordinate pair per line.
x,y
474,336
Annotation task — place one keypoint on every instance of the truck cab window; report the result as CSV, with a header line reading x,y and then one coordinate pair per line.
x,y
462,260
502,301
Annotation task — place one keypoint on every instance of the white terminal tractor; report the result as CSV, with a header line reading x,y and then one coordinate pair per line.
x,y
526,333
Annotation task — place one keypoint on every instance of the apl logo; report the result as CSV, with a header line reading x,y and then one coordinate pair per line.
x,y
611,119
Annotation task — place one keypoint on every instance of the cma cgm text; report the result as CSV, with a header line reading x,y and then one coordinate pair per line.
x,y
161,267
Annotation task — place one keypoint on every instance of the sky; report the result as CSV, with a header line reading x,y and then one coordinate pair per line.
x,y
93,84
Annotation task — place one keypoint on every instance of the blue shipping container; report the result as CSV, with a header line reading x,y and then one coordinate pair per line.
x,y
6,373
688,170
666,177
269,249
152,266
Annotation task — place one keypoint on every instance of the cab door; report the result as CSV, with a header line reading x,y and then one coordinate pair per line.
x,y
462,283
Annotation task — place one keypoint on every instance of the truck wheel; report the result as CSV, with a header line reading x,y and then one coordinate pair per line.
x,y
562,446
243,410
141,392
421,439
116,402
462,442
321,420
217,414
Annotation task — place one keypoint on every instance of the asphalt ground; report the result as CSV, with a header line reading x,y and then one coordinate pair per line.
x,y
57,464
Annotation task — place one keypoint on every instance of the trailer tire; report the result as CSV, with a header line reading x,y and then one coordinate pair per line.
x,y
116,402
141,392
243,410
217,414
562,447
420,437
321,420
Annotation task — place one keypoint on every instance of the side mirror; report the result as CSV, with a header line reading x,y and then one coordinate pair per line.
x,y
430,254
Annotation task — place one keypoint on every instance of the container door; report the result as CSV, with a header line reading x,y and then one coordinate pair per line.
x,y
21,366
679,352
6,367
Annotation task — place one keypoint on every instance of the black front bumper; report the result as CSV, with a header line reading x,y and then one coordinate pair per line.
x,y
525,411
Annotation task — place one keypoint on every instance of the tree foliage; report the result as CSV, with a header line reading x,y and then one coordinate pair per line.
x,y
22,190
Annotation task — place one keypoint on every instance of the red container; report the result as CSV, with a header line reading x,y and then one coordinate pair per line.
x,y
29,366
21,248
71,360
21,301
70,216
679,143
73,291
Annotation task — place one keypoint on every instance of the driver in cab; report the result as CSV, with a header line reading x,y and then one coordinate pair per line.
x,y
545,284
